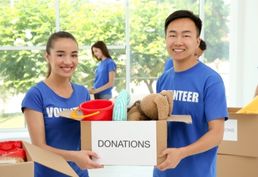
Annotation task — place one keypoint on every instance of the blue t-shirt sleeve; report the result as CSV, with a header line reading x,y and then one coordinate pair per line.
x,y
81,92
158,86
215,99
111,66
87,94
168,64
33,100
161,82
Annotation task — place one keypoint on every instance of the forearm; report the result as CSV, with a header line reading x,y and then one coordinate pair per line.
x,y
209,140
104,87
110,83
36,129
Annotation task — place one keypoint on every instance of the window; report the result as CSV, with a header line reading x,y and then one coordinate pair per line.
x,y
25,30
132,29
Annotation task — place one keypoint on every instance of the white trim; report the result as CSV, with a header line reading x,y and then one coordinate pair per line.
x,y
22,48
14,134
57,15
128,50
15,48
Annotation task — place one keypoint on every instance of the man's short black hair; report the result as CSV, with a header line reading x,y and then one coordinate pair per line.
x,y
184,14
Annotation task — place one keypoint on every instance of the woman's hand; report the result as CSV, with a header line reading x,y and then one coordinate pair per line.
x,y
84,159
92,91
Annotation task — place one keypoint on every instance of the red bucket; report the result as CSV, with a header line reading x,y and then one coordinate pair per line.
x,y
98,109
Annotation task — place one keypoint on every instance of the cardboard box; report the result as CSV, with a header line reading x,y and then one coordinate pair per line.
x,y
36,154
126,142
238,152
240,135
236,166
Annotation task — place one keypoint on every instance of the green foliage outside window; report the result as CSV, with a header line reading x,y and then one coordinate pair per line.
x,y
29,23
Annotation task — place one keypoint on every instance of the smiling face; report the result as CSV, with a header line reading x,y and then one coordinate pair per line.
x,y
98,53
182,40
63,57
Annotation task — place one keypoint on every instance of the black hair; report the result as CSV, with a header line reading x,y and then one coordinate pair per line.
x,y
184,14
57,35
52,38
102,46
203,45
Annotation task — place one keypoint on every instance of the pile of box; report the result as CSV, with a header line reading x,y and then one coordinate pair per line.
x,y
238,153
35,154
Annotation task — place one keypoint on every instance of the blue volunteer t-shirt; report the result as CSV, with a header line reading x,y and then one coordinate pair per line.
x,y
199,92
168,64
60,132
102,75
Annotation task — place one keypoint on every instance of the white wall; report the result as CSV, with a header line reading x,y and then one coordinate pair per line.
x,y
243,51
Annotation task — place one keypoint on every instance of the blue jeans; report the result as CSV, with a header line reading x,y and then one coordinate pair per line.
x,y
105,96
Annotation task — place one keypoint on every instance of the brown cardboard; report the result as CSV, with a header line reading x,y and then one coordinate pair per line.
x,y
175,118
161,139
36,154
25,169
180,118
160,134
247,131
236,166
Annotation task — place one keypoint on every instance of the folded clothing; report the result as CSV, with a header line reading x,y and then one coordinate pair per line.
x,y
12,152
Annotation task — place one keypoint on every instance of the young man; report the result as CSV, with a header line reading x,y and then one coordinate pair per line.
x,y
198,91
202,47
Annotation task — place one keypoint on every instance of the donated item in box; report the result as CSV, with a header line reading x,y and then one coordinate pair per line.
x,y
236,166
239,135
36,154
127,142
11,152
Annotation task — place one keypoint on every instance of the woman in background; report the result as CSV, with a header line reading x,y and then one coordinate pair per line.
x,y
105,72
56,93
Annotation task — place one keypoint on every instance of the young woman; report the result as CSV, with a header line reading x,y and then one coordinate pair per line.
x,y
105,72
45,100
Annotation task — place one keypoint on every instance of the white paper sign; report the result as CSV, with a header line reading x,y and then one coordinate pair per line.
x,y
230,130
125,142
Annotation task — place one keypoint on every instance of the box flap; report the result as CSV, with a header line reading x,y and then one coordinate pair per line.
x,y
233,111
180,118
161,140
86,135
68,114
245,129
25,169
65,113
48,159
